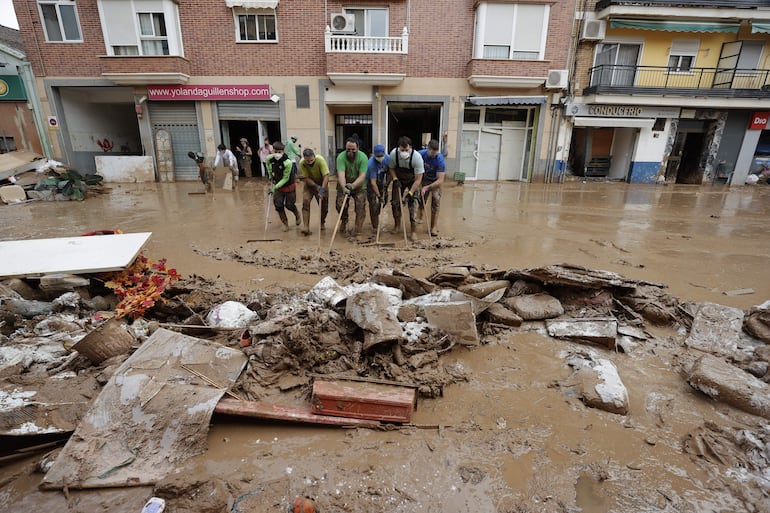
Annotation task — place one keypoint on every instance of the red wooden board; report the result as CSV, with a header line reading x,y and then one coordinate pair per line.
x,y
372,401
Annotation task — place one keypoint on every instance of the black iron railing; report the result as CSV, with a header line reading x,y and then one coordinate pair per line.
x,y
602,4
662,79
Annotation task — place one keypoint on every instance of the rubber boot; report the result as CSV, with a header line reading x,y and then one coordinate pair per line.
x,y
396,224
412,229
433,221
359,227
420,214
284,220
297,218
306,218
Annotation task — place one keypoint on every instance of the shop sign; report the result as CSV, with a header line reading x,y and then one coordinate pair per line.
x,y
53,123
208,92
758,120
621,111
12,88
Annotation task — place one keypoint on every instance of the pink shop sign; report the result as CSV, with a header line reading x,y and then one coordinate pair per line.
x,y
208,92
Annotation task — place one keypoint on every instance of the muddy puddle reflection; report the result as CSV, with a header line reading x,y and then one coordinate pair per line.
x,y
515,436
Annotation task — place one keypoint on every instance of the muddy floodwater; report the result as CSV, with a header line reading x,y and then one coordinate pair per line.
x,y
514,437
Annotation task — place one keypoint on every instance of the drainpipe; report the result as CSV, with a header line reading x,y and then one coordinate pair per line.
x,y
28,79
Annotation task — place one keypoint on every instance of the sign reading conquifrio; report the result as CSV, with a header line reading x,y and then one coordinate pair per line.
x,y
621,111
208,92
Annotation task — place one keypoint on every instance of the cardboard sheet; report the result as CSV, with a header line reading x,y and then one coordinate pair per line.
x,y
76,255
151,415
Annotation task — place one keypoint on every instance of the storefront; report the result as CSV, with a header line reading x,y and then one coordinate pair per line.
x,y
499,136
621,142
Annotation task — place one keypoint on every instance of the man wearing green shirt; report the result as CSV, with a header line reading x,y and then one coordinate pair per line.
x,y
292,149
351,181
315,173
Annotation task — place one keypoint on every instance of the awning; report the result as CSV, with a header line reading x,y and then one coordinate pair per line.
x,y
507,100
676,26
615,122
762,27
252,4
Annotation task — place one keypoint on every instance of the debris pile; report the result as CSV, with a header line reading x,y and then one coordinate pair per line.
x,y
389,328
25,176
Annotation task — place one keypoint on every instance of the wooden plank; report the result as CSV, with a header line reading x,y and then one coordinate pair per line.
x,y
75,255
370,401
263,410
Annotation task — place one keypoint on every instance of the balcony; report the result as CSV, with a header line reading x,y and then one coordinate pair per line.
x,y
603,4
147,69
665,81
519,74
365,60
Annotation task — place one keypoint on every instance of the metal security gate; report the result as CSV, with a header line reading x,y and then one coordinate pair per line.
x,y
248,111
180,120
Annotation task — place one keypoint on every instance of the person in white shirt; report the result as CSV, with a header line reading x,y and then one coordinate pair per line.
x,y
226,158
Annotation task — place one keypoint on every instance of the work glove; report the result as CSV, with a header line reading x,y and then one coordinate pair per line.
x,y
348,189
272,189
321,192
408,196
383,199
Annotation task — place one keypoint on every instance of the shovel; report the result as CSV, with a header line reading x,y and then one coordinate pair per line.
x,y
427,217
401,210
267,219
339,220
318,200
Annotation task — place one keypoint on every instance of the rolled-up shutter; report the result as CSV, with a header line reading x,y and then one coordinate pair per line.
x,y
181,121
248,111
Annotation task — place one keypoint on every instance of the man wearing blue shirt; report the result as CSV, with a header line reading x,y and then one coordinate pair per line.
x,y
432,180
377,175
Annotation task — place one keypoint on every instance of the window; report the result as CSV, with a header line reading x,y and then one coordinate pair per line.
x,y
7,144
303,96
681,57
511,31
60,20
256,25
370,22
152,33
125,50
751,51
615,64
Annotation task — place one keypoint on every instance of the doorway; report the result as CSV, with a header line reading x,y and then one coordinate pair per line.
x,y
684,164
420,122
255,132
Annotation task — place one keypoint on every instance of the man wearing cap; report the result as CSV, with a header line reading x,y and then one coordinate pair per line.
x,y
432,180
244,152
351,181
377,178
315,172
292,149
406,169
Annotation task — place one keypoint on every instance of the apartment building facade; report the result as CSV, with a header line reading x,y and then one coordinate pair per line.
x,y
670,90
163,77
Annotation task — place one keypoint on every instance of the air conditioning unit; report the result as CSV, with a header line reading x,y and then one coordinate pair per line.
x,y
557,79
593,30
343,23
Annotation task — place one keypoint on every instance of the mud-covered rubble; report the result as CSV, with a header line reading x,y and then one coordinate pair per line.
x,y
394,327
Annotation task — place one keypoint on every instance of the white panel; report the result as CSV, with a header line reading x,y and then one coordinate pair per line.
x,y
120,21
149,6
512,153
529,20
489,155
615,122
499,24
349,95
76,255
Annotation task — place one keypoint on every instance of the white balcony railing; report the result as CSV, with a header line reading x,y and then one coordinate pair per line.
x,y
366,44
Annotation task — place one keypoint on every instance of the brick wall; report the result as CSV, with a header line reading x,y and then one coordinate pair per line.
x,y
440,39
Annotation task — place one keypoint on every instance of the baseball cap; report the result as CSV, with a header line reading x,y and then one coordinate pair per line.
x,y
294,137
379,150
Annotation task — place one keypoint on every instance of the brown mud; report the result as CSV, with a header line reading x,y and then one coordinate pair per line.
x,y
511,435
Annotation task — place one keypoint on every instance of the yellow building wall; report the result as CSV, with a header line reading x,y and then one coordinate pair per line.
x,y
656,46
